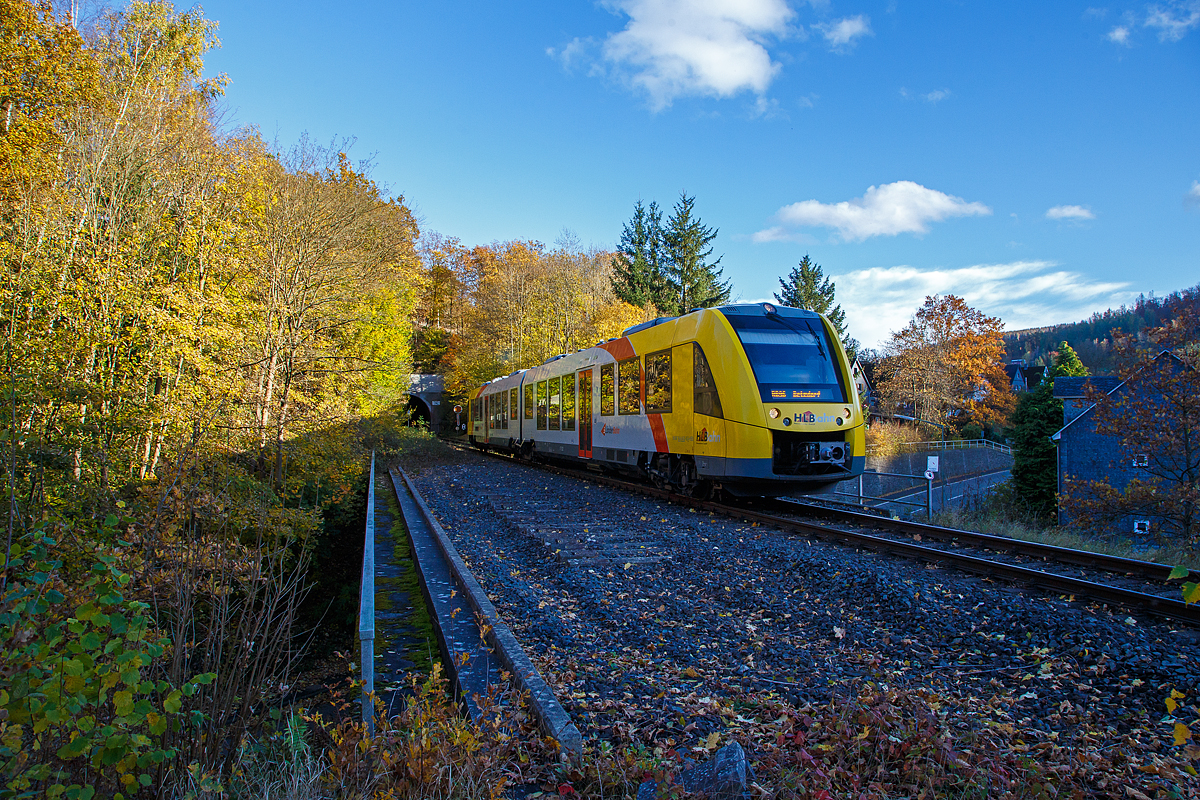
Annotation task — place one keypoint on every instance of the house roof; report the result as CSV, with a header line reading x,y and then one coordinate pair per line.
x,y
1105,383
1073,388
1032,374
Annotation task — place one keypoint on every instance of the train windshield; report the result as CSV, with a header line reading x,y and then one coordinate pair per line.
x,y
792,357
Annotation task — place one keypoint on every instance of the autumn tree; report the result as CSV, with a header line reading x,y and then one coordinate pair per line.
x,y
195,324
529,304
807,287
946,366
1154,417
1037,416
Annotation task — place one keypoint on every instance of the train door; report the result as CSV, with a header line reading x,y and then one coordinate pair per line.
x,y
585,413
708,419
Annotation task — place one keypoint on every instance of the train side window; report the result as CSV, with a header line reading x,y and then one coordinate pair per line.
x,y
529,401
488,420
555,393
541,405
629,386
608,405
658,382
568,403
504,411
513,402
476,412
705,398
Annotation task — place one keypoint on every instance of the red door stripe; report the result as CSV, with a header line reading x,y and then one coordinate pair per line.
x,y
660,434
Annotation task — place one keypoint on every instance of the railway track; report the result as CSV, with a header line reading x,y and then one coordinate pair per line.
x,y
581,548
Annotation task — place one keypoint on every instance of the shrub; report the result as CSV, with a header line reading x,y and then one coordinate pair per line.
x,y
80,715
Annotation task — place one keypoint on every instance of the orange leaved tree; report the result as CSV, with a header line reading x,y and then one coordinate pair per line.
x,y
947,366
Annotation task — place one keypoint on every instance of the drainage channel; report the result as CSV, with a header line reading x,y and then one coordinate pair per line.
x,y
476,647
405,639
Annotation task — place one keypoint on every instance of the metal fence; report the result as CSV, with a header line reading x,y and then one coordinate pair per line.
x,y
928,504
366,609
953,444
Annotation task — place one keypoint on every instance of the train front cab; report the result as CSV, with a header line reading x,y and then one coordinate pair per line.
x,y
789,415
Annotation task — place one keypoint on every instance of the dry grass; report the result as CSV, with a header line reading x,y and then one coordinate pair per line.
x,y
886,439
995,522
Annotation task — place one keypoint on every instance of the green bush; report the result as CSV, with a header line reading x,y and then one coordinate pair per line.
x,y
80,715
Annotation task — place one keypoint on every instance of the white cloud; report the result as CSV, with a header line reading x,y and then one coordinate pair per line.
x,y
1193,195
1174,19
1070,212
672,48
887,210
575,51
1024,294
937,95
842,33
1119,34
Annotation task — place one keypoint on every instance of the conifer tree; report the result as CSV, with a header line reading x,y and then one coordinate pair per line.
x,y
693,280
807,287
1037,417
636,268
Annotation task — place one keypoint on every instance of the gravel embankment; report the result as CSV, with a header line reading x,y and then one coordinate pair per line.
x,y
639,652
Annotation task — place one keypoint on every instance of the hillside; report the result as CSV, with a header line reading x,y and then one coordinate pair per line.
x,y
1092,338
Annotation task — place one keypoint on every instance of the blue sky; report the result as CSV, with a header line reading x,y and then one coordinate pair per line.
x,y
1040,159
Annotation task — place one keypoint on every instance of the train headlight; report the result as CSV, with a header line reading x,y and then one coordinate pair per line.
x,y
849,413
773,413
787,421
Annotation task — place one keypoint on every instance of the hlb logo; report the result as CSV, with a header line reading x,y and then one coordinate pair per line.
x,y
703,435
805,416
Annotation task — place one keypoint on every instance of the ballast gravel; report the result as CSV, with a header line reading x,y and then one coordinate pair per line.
x,y
738,606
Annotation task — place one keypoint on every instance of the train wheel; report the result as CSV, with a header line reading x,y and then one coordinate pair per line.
x,y
659,469
688,479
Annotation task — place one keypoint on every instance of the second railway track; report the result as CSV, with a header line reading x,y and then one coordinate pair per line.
x,y
1150,596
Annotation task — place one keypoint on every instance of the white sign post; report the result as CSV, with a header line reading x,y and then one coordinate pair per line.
x,y
932,464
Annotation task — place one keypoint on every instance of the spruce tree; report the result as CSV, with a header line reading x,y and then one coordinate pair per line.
x,y
807,287
693,280
1037,416
637,270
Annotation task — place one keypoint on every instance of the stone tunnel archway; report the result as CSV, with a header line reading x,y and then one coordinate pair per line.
x,y
419,412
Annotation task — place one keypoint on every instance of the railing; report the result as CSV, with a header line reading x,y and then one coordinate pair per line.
x,y
953,444
928,504
366,609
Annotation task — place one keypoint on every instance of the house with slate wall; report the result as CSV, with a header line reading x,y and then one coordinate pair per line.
x,y
1084,454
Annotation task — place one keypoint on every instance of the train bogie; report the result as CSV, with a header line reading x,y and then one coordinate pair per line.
x,y
756,399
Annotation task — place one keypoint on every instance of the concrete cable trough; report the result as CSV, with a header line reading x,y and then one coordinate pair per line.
x,y
467,623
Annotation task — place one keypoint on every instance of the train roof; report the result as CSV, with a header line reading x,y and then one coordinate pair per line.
x,y
737,309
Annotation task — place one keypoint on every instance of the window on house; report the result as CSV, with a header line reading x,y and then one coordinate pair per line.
x,y
568,403
658,382
555,402
608,385
1141,526
529,401
541,405
513,402
704,396
629,386
1141,460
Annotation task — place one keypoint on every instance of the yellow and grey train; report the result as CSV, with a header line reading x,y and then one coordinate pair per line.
x,y
754,399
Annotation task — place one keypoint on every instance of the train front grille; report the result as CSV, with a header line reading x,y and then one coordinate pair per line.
x,y
809,453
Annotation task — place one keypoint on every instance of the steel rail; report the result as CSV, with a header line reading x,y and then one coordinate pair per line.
x,y
1126,598
1050,552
